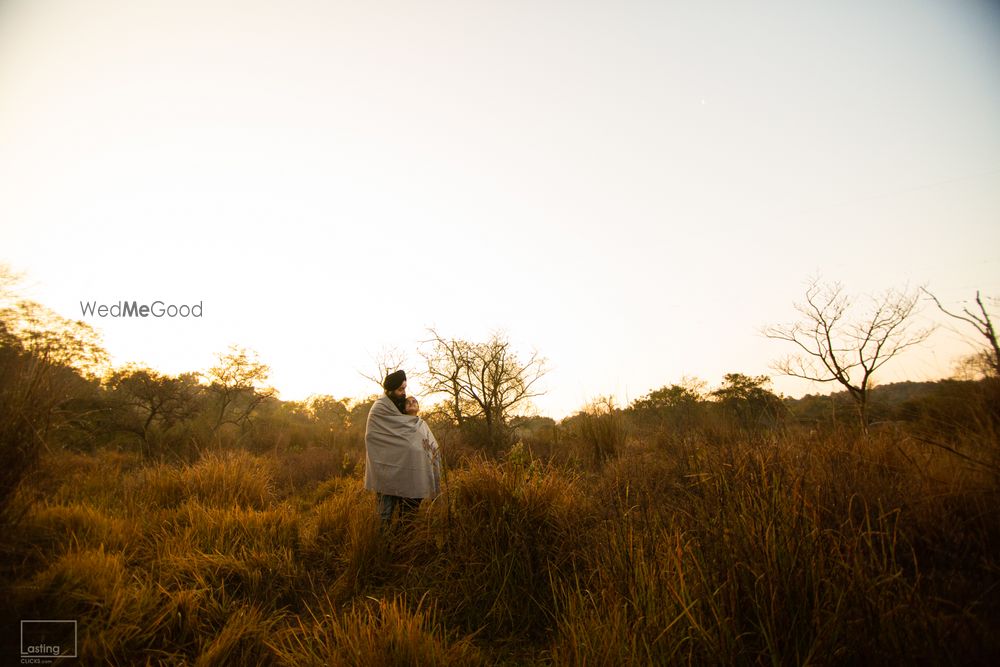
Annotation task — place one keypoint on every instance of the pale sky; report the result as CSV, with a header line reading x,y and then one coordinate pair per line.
x,y
632,188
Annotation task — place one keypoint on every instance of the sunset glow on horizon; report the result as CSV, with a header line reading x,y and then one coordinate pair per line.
x,y
632,189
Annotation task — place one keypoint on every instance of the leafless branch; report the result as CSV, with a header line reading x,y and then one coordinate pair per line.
x,y
831,348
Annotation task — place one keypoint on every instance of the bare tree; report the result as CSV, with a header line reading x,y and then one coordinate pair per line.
x,y
387,360
834,346
238,383
983,325
446,360
483,381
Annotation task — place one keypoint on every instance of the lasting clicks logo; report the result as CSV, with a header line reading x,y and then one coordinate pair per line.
x,y
45,641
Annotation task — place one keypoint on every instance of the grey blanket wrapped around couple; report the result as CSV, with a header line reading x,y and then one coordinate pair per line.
x,y
401,454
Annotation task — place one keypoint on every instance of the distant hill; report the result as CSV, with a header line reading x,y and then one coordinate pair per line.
x,y
902,401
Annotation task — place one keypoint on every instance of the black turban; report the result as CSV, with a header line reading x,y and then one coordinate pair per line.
x,y
394,381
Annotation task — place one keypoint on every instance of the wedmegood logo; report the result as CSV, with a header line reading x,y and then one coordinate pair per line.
x,y
136,309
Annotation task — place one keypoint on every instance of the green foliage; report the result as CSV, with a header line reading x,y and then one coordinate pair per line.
x,y
672,396
748,400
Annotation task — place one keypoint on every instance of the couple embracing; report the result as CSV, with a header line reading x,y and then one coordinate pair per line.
x,y
402,461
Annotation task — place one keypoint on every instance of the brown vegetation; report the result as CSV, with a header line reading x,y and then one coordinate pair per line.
x,y
796,548
181,522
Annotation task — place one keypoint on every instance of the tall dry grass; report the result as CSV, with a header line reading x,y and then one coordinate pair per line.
x,y
603,430
493,547
380,633
796,548
223,480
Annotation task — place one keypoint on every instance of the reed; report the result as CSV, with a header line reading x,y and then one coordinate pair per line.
x,y
794,548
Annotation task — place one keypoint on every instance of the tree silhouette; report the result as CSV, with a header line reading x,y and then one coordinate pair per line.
x,y
834,345
46,361
750,400
989,358
386,360
145,398
238,385
483,381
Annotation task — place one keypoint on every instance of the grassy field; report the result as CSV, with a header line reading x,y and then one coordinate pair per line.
x,y
799,548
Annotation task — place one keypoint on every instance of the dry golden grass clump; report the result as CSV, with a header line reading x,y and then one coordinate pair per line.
x,y
344,540
56,528
738,564
230,479
303,470
493,546
70,477
380,633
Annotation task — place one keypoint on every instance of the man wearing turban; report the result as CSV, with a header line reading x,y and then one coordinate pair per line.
x,y
395,388
402,463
